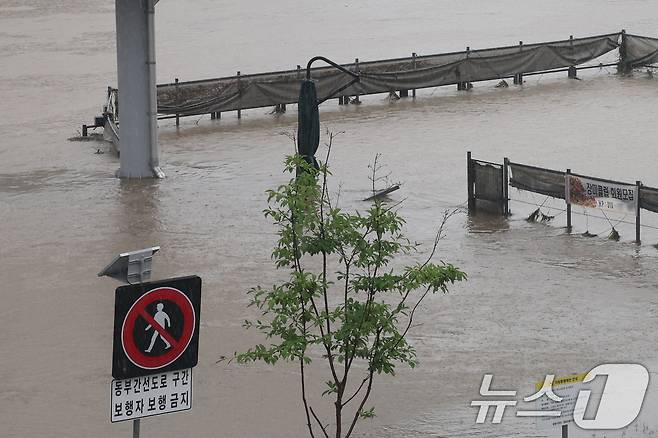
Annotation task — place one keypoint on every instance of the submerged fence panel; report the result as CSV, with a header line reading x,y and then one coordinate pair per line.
x,y
487,186
640,50
278,88
535,179
415,72
649,198
488,182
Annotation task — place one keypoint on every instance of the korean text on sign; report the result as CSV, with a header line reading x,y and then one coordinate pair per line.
x,y
151,395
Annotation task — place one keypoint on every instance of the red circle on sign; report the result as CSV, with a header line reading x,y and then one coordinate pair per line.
x,y
138,310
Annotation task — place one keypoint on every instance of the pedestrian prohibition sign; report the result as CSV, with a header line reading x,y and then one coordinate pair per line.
x,y
156,327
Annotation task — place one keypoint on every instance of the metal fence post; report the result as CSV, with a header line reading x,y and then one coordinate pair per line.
x,y
116,104
506,186
623,67
239,93
565,431
567,182
638,185
572,72
177,100
356,66
470,181
110,104
518,78
413,57
462,85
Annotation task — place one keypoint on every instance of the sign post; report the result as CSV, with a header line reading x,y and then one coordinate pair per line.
x,y
156,340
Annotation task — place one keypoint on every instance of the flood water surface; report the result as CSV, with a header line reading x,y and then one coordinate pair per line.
x,y
538,301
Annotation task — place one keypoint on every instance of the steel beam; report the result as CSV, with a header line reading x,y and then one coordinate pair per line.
x,y
138,137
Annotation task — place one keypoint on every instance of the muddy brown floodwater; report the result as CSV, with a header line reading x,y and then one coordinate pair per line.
x,y
538,301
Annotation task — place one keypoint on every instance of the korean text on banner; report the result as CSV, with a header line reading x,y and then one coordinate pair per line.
x,y
595,193
567,389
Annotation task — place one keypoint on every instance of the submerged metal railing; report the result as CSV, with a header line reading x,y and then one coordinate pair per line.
x,y
396,75
488,190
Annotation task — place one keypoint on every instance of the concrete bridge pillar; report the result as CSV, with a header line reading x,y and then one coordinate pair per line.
x,y
138,136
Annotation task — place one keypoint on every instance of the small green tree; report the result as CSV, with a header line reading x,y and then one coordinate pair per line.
x,y
356,316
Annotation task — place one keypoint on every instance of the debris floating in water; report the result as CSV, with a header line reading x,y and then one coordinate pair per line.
x,y
384,192
502,84
534,216
539,216
614,235
94,136
588,234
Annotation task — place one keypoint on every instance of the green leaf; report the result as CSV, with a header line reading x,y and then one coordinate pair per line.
x,y
367,413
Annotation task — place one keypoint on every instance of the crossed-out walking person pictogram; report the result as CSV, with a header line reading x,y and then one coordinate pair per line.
x,y
163,320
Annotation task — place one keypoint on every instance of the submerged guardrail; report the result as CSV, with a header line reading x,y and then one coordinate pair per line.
x,y
399,75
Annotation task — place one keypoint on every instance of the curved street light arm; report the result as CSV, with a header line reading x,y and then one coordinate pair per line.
x,y
331,63
356,76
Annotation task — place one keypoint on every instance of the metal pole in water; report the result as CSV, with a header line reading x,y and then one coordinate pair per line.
x,y
518,78
177,100
125,268
506,186
565,431
568,191
470,180
239,92
638,184
572,73
136,428
357,71
413,56
623,67
137,421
